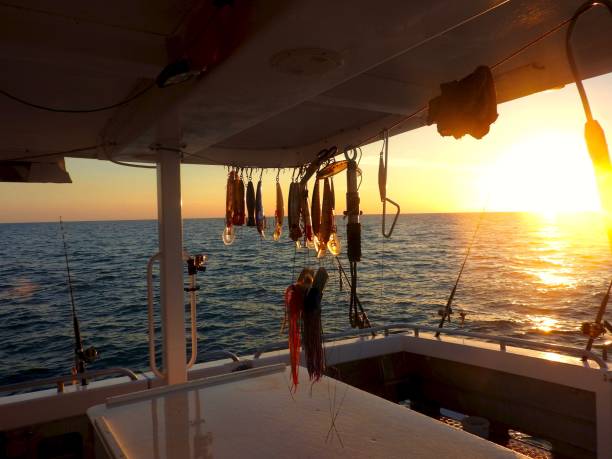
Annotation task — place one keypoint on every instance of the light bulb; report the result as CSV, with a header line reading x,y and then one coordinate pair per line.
x,y
334,244
228,235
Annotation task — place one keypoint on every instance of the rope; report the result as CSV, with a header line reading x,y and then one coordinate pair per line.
x,y
355,307
72,110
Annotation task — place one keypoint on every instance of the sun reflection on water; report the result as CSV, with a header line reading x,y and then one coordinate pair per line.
x,y
554,238
544,324
554,278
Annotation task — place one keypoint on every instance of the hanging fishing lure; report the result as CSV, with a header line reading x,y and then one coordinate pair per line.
x,y
327,216
333,244
294,307
250,202
229,234
239,217
290,210
315,214
312,338
279,213
260,218
293,216
305,213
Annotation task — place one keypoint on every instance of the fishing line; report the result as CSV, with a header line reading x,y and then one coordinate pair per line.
x,y
293,269
382,275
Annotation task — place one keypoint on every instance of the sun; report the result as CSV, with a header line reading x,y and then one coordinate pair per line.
x,y
547,173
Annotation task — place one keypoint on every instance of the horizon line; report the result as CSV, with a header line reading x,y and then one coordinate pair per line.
x,y
364,215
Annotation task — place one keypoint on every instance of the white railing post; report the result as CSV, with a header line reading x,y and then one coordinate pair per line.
x,y
171,251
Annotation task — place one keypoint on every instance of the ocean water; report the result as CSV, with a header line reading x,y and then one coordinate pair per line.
x,y
528,276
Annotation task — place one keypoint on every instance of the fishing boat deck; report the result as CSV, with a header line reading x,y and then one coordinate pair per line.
x,y
254,413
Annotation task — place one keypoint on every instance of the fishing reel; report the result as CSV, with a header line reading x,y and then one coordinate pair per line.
x,y
360,320
445,313
196,263
595,329
89,355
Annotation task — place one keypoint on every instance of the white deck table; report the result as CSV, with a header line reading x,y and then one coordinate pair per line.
x,y
254,414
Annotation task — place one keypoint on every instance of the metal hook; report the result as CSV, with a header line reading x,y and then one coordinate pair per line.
x,y
382,185
352,156
277,174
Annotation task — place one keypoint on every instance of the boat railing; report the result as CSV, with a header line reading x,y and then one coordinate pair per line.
x,y
60,381
220,354
416,329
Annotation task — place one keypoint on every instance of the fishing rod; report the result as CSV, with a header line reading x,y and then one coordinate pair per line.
x,y
448,310
597,147
595,329
81,356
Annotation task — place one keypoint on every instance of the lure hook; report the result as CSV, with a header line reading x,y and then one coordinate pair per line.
x,y
350,154
382,185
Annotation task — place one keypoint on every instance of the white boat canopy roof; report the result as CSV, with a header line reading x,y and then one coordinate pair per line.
x,y
310,74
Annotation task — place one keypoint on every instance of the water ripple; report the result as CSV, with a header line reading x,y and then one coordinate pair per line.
x,y
527,277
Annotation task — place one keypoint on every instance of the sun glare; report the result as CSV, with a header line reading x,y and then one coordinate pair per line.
x,y
543,323
547,173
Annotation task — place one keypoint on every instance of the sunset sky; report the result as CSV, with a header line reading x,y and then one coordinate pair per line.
x,y
534,159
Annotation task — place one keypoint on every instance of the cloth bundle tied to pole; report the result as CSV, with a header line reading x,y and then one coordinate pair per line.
x,y
467,106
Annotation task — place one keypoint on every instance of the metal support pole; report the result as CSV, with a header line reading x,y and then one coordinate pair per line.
x,y
171,265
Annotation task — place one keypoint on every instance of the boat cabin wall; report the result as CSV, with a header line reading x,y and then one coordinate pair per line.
x,y
564,416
